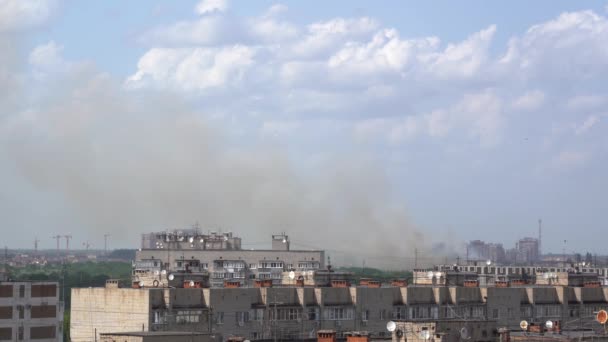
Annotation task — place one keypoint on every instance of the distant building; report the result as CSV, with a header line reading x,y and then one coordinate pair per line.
x,y
527,250
30,311
220,256
480,250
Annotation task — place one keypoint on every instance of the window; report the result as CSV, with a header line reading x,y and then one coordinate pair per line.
x,y
365,315
6,334
20,311
256,314
42,332
242,317
338,313
313,314
188,316
286,314
219,318
382,314
21,291
20,333
399,312
494,313
421,312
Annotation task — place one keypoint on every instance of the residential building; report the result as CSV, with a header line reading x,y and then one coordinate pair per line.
x,y
30,311
220,256
293,311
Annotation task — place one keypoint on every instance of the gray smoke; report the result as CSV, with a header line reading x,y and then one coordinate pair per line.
x,y
128,162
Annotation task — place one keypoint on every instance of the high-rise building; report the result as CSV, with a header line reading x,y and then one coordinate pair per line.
x,y
527,250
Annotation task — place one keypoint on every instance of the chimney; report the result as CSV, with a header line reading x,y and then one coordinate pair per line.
x,y
326,336
357,336
113,284
231,284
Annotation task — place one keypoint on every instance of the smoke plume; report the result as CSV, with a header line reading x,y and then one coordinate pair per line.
x,y
89,157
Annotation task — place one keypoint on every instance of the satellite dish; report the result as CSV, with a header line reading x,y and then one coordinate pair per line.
x,y
311,273
156,272
425,334
202,240
523,325
464,333
437,274
191,283
391,326
181,238
549,324
292,275
163,272
284,240
430,274
546,275
191,239
602,316
489,262
171,277
225,238
141,283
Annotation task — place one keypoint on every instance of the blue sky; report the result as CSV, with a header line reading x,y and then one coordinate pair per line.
x,y
425,122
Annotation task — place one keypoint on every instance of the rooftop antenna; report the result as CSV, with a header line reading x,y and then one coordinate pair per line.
x,y
540,227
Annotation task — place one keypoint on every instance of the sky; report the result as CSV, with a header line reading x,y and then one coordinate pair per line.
x,y
386,126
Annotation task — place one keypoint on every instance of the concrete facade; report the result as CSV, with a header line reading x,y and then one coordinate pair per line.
x,y
30,311
300,312
242,265
160,336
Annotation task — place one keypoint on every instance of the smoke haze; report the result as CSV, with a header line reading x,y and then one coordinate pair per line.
x,y
83,155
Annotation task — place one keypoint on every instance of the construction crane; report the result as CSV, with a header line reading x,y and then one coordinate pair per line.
x,y
105,243
57,237
67,242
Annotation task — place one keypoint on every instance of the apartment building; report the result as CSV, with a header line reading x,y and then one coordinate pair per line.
x,y
220,256
30,311
297,312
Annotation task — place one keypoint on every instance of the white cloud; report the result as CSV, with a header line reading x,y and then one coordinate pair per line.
x,y
531,100
585,102
569,159
279,128
465,58
210,6
391,87
47,57
193,69
591,121
24,14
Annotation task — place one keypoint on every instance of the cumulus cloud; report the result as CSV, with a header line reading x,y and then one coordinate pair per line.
x,y
530,100
589,122
24,14
210,6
